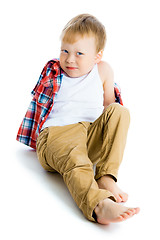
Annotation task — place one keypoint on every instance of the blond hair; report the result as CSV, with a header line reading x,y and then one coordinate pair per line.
x,y
85,25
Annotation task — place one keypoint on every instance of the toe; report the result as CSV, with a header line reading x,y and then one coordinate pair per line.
x,y
137,210
124,197
125,215
120,219
118,198
130,212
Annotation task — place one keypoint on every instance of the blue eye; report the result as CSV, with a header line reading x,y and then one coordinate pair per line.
x,y
79,53
65,51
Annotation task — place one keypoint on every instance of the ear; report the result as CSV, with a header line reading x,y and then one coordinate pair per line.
x,y
98,57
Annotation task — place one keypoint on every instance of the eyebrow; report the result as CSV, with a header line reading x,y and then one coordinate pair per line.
x,y
76,50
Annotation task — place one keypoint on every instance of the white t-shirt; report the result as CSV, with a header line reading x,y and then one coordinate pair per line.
x,y
78,99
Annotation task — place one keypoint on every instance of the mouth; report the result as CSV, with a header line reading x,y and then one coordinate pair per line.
x,y
71,68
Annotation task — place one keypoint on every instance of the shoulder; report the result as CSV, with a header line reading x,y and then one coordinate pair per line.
x,y
105,71
51,69
53,63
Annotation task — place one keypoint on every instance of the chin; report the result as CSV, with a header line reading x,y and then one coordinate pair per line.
x,y
73,75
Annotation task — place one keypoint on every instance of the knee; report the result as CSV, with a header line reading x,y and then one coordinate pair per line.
x,y
78,160
77,165
119,111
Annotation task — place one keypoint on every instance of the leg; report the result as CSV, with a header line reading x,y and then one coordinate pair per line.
x,y
65,151
106,141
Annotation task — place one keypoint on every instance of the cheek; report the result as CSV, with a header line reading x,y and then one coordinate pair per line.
x,y
61,59
89,63
84,62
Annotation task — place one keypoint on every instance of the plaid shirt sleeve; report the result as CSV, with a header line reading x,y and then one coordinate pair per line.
x,y
117,92
41,104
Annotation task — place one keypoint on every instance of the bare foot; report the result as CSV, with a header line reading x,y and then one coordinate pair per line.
x,y
106,182
108,211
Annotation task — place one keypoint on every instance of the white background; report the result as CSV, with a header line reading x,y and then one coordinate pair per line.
x,y
35,204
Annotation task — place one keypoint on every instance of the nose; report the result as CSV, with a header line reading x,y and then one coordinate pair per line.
x,y
70,58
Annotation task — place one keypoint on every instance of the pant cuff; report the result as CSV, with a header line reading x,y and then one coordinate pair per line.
x,y
103,195
113,174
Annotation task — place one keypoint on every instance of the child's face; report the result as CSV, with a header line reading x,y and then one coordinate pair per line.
x,y
78,59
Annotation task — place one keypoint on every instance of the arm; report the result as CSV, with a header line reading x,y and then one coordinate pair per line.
x,y
106,75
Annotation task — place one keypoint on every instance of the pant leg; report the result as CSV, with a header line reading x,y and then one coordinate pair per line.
x,y
107,138
41,146
66,152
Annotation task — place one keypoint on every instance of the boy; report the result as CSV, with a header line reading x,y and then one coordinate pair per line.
x,y
73,122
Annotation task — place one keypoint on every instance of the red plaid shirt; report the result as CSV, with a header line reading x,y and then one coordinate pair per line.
x,y
43,98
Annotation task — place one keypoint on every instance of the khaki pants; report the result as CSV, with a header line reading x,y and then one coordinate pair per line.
x,y
72,150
